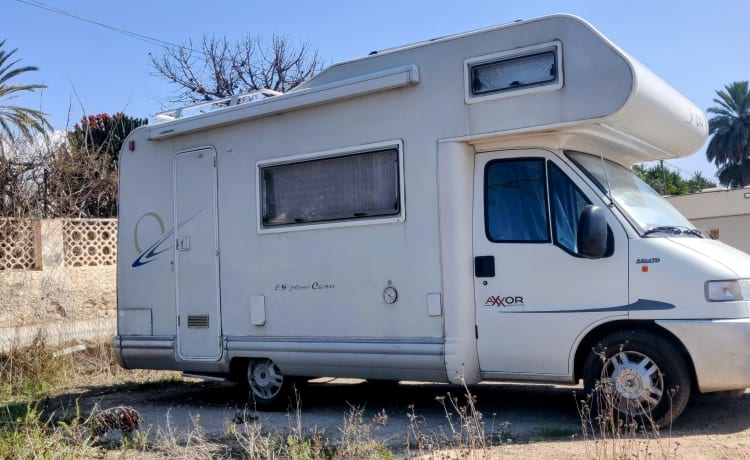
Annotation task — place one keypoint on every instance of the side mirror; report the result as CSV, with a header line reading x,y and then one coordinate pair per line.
x,y
592,232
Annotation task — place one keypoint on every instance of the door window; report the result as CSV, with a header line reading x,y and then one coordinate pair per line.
x,y
527,199
566,203
516,201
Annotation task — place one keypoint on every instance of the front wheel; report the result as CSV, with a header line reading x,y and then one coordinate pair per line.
x,y
638,377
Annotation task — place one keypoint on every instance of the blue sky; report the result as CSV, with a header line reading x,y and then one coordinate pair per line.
x,y
695,46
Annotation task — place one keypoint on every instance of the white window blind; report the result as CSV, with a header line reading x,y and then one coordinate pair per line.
x,y
357,186
512,73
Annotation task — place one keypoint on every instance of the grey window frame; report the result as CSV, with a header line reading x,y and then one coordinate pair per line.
x,y
555,47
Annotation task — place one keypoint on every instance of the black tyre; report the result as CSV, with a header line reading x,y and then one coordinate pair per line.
x,y
266,386
638,377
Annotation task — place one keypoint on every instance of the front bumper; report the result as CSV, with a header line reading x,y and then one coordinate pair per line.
x,y
720,350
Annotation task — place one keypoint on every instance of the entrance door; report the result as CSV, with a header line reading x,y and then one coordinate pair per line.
x,y
197,255
534,293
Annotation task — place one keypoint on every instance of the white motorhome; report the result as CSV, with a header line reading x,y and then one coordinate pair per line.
x,y
456,210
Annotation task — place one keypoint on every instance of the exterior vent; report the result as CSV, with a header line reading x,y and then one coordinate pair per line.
x,y
197,321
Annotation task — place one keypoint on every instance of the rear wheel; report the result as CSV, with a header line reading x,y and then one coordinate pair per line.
x,y
637,377
268,388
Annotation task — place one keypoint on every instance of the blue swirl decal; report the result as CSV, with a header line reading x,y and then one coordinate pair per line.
x,y
155,250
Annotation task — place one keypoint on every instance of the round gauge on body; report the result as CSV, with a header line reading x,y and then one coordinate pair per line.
x,y
390,294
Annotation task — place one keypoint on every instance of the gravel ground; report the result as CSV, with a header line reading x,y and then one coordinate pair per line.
x,y
537,421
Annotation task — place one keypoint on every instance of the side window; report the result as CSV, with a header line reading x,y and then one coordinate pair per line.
x,y
516,72
566,204
516,201
347,187
513,72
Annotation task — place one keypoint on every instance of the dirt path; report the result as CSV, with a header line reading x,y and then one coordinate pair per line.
x,y
537,421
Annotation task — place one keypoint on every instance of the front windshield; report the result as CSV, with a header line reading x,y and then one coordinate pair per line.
x,y
645,208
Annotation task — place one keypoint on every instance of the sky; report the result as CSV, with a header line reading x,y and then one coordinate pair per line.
x,y
697,47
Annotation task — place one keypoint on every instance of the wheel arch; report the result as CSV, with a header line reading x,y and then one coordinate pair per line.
x,y
238,367
598,333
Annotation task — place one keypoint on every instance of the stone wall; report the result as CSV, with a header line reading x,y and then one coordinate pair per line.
x,y
57,276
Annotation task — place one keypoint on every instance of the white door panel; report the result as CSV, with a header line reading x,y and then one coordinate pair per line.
x,y
542,296
196,255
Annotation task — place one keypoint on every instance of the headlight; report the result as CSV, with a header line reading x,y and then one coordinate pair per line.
x,y
728,291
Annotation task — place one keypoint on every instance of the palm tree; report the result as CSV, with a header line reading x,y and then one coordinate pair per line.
x,y
26,121
730,145
730,175
697,182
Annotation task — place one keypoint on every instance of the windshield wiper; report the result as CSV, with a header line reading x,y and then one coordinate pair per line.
x,y
695,232
675,230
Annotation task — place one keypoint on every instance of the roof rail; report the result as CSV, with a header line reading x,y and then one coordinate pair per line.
x,y
237,99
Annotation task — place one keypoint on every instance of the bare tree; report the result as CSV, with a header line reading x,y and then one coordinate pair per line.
x,y
78,183
71,174
21,176
219,69
13,191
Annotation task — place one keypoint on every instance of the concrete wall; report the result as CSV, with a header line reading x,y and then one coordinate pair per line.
x,y
724,213
64,285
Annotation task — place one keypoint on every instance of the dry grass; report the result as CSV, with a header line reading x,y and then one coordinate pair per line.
x,y
32,371
30,376
40,370
355,438
466,435
30,429
608,434
33,434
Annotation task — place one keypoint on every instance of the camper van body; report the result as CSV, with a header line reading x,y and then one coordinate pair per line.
x,y
236,251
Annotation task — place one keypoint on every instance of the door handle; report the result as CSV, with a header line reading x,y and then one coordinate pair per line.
x,y
484,266
182,244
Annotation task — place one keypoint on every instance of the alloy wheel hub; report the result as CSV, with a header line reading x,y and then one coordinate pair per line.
x,y
635,378
629,384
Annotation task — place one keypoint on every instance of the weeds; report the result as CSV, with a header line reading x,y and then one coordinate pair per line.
x,y
35,435
38,371
356,440
30,427
616,427
607,433
37,430
467,435
193,445
31,371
